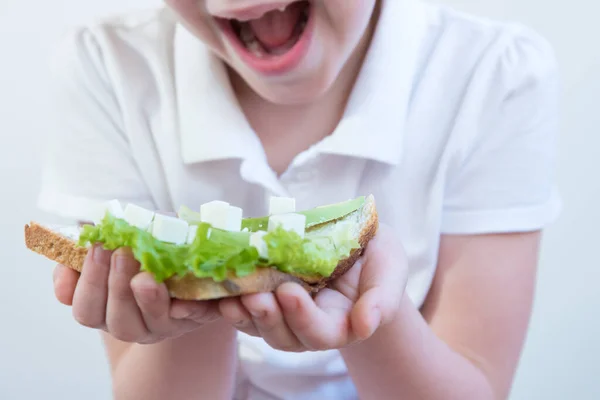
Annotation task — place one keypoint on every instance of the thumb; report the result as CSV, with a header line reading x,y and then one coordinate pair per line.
x,y
382,283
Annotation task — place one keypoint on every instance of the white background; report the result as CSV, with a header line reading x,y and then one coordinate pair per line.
x,y
44,354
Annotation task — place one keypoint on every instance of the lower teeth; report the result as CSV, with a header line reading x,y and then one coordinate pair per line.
x,y
255,48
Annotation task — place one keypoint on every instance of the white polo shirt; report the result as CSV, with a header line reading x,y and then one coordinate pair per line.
x,y
452,126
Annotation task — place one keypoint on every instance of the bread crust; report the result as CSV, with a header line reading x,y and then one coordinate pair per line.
x,y
54,246
67,252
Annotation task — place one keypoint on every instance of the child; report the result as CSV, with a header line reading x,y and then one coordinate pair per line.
x,y
450,121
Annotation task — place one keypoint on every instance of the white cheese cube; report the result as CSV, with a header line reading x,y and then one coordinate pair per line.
x,y
115,209
170,229
257,240
138,216
289,222
212,210
234,219
192,232
282,205
112,207
222,216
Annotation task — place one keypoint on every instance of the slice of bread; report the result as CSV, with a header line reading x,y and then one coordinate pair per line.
x,y
62,248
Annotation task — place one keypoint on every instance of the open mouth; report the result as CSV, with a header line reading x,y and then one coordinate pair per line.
x,y
275,41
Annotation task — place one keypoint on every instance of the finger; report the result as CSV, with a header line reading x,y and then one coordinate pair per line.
x,y
236,314
196,312
65,282
269,321
383,279
89,299
314,327
154,303
123,316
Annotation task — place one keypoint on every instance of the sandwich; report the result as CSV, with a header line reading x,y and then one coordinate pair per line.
x,y
216,253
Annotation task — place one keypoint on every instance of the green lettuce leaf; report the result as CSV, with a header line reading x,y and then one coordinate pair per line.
x,y
217,254
161,259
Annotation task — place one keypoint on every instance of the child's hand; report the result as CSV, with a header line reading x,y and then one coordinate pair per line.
x,y
357,303
112,295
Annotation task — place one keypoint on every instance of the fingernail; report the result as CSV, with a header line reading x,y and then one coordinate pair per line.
x,y
144,288
289,303
258,313
241,323
145,293
101,256
119,263
180,313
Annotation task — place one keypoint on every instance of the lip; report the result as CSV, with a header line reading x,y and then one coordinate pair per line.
x,y
253,12
272,65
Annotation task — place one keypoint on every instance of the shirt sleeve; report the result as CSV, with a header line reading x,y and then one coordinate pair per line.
x,y
88,158
505,182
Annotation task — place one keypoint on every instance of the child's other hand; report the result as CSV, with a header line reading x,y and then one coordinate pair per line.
x,y
112,295
365,298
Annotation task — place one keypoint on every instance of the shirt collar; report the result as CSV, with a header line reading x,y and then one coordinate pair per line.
x,y
212,126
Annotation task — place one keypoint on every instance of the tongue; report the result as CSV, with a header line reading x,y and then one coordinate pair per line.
x,y
276,28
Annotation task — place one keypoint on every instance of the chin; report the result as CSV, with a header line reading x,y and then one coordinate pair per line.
x,y
303,89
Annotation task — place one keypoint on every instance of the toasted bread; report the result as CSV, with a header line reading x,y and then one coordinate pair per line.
x,y
64,250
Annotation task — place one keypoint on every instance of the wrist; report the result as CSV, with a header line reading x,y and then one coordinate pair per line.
x,y
201,360
216,336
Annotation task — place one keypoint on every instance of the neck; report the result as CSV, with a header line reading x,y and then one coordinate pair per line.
x,y
287,130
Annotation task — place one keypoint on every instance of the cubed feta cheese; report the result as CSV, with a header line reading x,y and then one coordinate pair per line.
x,y
282,205
112,207
222,216
115,209
170,229
214,212
289,222
234,219
257,240
212,209
138,216
191,236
